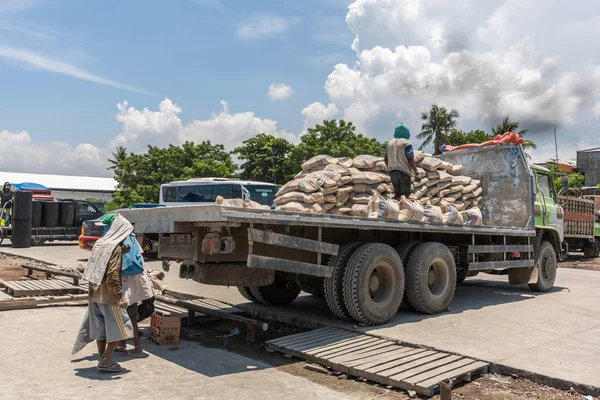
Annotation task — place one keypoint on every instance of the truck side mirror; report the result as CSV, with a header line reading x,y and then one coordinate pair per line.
x,y
565,184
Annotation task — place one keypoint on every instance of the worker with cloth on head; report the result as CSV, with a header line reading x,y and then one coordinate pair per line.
x,y
106,320
400,161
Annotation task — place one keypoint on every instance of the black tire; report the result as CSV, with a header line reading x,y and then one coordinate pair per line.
x,y
593,251
333,287
461,275
431,278
546,266
277,293
373,284
37,241
247,293
404,251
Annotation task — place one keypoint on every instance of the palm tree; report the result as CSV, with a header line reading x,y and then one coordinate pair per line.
x,y
437,123
118,157
512,126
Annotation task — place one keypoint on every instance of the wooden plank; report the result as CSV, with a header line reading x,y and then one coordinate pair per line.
x,y
378,359
311,336
407,366
432,372
369,352
298,267
325,349
501,248
478,266
292,242
288,340
362,341
424,369
322,341
477,365
412,361
357,353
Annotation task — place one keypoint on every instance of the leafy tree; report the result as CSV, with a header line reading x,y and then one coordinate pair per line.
x,y
458,137
139,176
512,126
576,180
265,158
334,138
119,156
436,124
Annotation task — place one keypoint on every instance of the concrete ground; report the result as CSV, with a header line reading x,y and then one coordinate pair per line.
x,y
556,334
35,364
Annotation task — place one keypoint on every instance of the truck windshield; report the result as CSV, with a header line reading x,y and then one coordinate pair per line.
x,y
263,194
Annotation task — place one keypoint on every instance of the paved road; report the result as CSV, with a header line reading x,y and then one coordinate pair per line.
x,y
556,334
35,364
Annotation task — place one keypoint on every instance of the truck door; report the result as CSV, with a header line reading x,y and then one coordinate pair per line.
x,y
85,212
551,214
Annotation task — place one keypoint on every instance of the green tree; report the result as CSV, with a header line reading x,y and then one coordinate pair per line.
x,y
457,137
436,124
139,176
334,138
265,158
119,156
512,126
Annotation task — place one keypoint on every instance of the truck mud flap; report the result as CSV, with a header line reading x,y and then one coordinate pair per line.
x,y
226,274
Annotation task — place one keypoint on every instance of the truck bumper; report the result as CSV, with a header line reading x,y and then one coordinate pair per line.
x,y
87,242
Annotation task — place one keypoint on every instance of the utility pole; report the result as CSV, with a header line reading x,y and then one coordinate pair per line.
x,y
556,147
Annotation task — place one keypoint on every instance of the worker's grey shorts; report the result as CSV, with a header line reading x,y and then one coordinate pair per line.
x,y
109,322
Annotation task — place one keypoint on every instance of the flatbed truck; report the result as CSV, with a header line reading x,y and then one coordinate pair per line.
x,y
364,267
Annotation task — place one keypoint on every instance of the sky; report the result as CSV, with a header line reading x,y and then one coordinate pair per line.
x,y
78,78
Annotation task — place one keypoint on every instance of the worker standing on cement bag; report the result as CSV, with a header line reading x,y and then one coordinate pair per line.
x,y
106,319
400,161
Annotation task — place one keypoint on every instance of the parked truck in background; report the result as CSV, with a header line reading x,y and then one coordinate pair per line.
x,y
582,225
365,267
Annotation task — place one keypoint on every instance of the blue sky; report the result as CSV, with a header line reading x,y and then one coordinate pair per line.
x,y
78,78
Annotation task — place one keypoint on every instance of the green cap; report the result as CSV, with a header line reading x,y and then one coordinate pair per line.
x,y
109,219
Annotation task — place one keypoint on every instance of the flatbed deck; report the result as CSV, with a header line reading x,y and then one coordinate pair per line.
x,y
165,220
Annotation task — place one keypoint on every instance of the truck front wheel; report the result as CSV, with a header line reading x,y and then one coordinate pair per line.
x,y
373,283
546,266
277,293
247,293
431,278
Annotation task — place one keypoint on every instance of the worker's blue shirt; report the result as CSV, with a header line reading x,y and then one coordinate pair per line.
x,y
133,262
408,152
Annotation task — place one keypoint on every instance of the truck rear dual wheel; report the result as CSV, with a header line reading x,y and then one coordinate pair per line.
x,y
373,284
333,287
277,293
546,266
404,251
430,278
593,251
247,293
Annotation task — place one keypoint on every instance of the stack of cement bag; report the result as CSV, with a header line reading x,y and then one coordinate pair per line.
x,y
361,187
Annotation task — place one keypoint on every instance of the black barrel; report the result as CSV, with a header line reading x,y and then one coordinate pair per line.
x,y
50,214
21,233
22,207
36,214
66,213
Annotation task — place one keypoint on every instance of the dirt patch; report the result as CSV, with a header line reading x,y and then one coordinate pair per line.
x,y
579,261
231,336
11,270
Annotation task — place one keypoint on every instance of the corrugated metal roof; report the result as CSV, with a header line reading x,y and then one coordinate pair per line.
x,y
62,182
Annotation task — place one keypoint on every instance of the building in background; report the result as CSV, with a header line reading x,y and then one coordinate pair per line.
x,y
567,168
66,186
588,163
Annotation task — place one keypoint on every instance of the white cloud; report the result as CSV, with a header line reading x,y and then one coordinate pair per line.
x,y
50,157
263,26
596,109
143,127
38,61
316,113
411,54
279,91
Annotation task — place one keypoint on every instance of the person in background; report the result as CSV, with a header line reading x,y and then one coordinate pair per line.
x,y
400,161
106,320
136,288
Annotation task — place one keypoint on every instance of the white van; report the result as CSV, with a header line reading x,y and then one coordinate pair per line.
x,y
205,190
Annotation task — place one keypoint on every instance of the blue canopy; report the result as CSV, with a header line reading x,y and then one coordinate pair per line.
x,y
29,186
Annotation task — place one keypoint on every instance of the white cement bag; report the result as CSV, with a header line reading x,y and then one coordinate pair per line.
x,y
379,167
461,180
329,178
343,171
345,190
433,215
318,161
473,216
410,211
379,207
365,161
308,198
430,163
370,178
300,185
421,173
295,206
362,198
345,162
345,180
453,217
419,156
457,170
360,210
329,190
